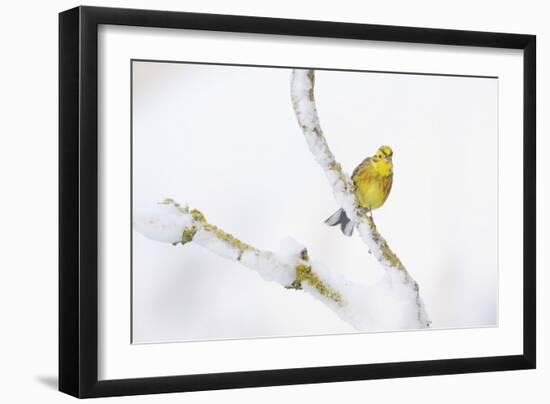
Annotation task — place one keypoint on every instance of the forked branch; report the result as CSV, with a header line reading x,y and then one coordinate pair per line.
x,y
303,101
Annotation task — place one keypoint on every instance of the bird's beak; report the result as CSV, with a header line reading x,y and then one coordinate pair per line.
x,y
388,159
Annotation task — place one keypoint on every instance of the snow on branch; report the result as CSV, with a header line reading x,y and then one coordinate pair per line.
x,y
365,307
290,267
303,101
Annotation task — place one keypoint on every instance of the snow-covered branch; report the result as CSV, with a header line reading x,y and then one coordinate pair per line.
x,y
291,266
366,307
303,100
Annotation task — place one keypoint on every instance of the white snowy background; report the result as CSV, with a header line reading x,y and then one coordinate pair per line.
x,y
225,140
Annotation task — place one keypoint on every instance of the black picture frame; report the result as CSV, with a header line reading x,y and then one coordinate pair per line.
x,y
78,201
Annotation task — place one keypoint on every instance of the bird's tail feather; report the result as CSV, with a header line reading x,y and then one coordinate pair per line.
x,y
340,217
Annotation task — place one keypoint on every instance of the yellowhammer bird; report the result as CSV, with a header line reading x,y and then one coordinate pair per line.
x,y
373,180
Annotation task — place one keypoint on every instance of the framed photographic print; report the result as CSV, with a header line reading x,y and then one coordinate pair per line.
x,y
251,201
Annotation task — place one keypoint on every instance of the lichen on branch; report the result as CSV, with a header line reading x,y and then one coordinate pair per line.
x,y
291,268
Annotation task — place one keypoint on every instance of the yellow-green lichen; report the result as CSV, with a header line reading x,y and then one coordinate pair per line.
x,y
304,273
188,234
170,201
336,167
219,233
387,253
198,216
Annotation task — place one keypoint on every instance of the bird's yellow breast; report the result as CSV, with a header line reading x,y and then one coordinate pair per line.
x,y
373,183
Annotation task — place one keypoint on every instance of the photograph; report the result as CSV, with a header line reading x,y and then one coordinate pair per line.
x,y
288,201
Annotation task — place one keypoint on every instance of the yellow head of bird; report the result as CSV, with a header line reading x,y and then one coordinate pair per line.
x,y
382,160
383,153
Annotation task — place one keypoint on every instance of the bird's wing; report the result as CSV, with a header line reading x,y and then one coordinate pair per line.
x,y
386,184
390,182
363,164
